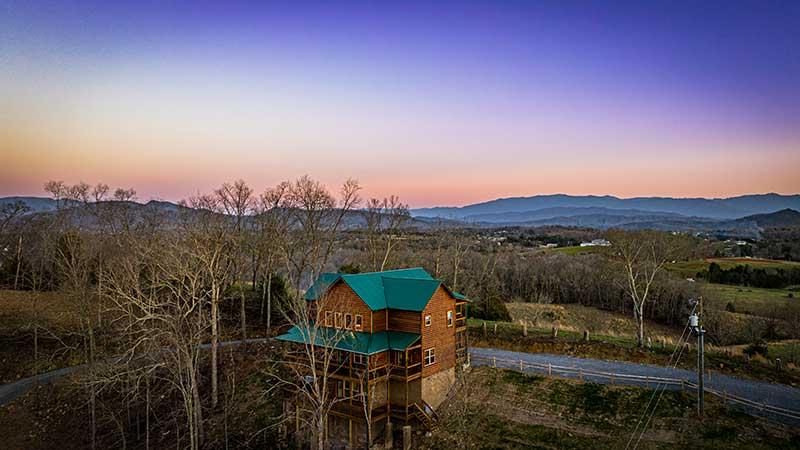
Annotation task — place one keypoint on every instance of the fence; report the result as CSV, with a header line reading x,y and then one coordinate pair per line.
x,y
556,370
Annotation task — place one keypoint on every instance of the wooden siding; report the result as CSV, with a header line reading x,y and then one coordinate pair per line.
x,y
379,321
408,321
439,335
340,298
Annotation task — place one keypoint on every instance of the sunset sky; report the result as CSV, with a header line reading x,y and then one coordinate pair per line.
x,y
447,103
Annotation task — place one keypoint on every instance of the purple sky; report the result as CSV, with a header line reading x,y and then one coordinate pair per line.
x,y
448,103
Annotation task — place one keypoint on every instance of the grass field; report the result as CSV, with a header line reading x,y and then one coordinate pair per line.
x,y
747,300
578,318
729,359
576,250
502,409
689,269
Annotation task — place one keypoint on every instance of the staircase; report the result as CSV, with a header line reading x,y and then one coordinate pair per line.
x,y
426,415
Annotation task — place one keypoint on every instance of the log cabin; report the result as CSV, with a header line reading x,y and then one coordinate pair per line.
x,y
398,336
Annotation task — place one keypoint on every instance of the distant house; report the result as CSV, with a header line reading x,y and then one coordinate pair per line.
x,y
405,329
596,243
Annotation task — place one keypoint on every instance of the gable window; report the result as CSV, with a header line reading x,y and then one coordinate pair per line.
x,y
430,356
328,318
428,320
338,320
348,321
450,318
359,322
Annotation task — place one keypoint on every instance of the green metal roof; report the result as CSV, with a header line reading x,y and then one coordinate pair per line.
x,y
320,285
352,341
405,289
460,296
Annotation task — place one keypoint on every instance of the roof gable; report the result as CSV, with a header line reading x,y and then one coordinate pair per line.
x,y
405,289
408,294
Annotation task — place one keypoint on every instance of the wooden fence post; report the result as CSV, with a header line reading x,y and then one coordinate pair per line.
x,y
586,335
407,437
580,373
494,361
525,329
520,365
549,369
495,328
555,332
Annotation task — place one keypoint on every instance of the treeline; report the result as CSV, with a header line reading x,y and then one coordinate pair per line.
x,y
746,275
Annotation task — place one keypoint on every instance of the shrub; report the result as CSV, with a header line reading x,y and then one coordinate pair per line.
x,y
758,347
730,307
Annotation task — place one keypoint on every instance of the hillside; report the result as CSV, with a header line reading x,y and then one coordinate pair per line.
x,y
779,219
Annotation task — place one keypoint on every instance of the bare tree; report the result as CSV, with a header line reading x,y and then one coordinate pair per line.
x,y
237,202
641,255
207,231
161,287
384,221
316,219
272,221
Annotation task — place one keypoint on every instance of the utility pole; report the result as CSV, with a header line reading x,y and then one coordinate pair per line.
x,y
694,324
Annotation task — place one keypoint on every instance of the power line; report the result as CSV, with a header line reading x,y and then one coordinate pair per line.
x,y
653,395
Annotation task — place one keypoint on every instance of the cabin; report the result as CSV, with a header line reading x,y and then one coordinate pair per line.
x,y
398,337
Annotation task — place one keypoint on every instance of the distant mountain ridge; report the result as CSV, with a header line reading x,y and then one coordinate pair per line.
x,y
783,218
715,208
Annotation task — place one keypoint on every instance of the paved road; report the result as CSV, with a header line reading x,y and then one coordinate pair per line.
x,y
772,394
9,392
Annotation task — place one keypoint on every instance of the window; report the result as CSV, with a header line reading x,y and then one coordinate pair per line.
x,y
340,389
338,320
449,318
359,359
348,389
359,321
430,356
348,321
428,320
328,318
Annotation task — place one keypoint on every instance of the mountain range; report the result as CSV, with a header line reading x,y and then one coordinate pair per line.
x,y
712,208
742,216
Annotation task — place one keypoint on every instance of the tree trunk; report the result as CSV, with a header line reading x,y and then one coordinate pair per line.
x,y
214,345
19,262
269,302
244,315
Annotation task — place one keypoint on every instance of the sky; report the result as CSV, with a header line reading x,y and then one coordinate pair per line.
x,y
440,103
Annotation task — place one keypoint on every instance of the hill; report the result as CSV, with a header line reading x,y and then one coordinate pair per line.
x,y
716,208
779,219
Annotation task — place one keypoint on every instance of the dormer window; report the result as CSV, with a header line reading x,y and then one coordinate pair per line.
x,y
348,321
338,320
359,322
428,320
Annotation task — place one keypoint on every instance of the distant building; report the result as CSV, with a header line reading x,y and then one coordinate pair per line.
x,y
596,243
